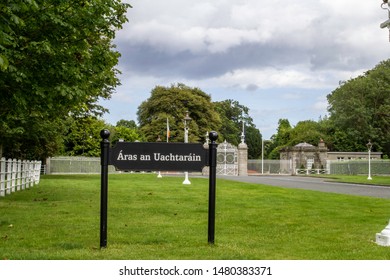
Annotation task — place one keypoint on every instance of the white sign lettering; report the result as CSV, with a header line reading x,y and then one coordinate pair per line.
x,y
173,157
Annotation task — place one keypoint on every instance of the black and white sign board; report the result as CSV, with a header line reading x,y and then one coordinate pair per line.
x,y
136,156
158,156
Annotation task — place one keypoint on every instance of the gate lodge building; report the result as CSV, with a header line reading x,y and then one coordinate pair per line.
x,y
307,156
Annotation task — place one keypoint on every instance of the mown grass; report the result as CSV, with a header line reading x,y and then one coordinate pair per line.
x,y
362,179
151,218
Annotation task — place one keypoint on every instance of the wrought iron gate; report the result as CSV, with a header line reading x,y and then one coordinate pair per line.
x,y
227,159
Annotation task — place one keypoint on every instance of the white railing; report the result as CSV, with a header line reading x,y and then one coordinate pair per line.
x,y
16,175
310,171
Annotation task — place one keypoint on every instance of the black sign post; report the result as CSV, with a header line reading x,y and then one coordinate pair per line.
x,y
156,157
212,180
105,150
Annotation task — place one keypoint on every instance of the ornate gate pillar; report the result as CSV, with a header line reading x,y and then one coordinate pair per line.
x,y
242,159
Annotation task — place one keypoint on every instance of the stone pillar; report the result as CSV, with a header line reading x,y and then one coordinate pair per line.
x,y
242,159
48,166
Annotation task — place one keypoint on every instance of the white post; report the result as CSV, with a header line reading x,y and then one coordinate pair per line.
x,y
38,165
186,119
186,180
14,168
23,174
9,176
383,238
27,166
262,155
369,145
2,177
19,175
31,173
369,165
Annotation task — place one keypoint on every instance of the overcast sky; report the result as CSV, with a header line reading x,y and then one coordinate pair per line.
x,y
279,58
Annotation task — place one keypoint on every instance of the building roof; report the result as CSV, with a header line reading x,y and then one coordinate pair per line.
x,y
304,145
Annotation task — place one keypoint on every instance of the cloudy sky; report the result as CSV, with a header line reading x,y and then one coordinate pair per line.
x,y
279,58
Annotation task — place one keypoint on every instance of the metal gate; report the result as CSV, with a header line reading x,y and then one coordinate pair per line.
x,y
227,159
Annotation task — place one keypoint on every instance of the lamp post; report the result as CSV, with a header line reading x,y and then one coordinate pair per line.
x,y
186,120
369,146
262,155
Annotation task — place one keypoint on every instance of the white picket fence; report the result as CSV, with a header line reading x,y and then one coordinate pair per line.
x,y
16,175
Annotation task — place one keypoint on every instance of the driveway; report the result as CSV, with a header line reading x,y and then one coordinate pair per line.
x,y
316,184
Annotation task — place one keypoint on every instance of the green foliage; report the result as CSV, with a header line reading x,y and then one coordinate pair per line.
x,y
125,123
172,103
359,110
232,114
38,139
126,134
253,139
307,131
280,140
83,136
57,58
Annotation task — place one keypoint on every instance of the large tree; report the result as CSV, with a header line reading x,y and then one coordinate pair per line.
x,y
168,105
234,115
307,131
279,140
360,110
253,139
83,136
57,58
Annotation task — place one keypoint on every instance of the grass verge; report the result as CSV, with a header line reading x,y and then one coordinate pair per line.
x,y
358,179
362,179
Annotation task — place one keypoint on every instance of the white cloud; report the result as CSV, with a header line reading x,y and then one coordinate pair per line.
x,y
321,105
250,48
272,77
292,96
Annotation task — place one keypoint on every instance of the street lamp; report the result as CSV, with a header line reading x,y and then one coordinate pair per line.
x,y
186,120
262,155
369,146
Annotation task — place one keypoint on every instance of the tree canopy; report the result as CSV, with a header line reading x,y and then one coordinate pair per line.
x,y
233,115
56,58
82,137
360,110
168,105
308,131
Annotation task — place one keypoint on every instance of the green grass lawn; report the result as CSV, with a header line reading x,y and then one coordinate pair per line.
x,y
361,179
151,218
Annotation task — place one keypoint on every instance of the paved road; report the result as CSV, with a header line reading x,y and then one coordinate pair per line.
x,y
317,184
